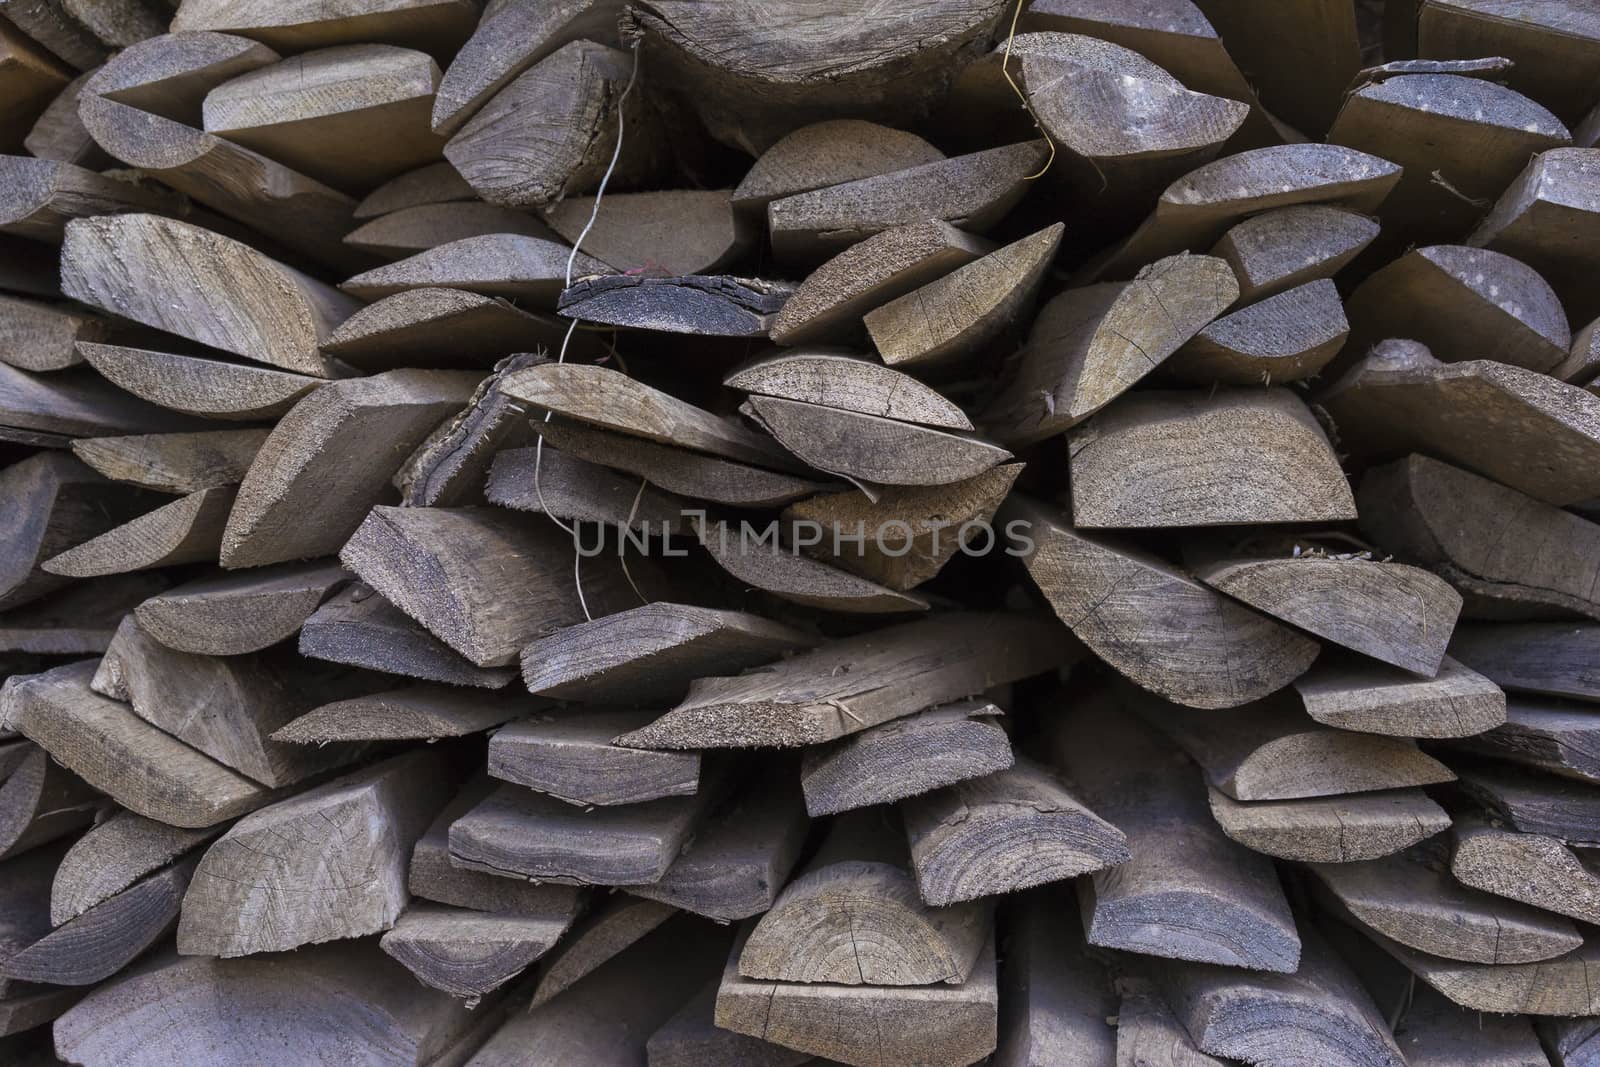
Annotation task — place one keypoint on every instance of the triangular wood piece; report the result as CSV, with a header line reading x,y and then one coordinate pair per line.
x,y
439,327
42,196
1286,337
1291,246
173,462
74,403
188,530
417,229
1338,829
607,931
436,183
782,571
470,954
112,856
700,305
1352,693
204,388
545,481
828,153
529,270
837,378
1550,658
1535,869
231,614
41,801
1546,217
1543,734
1533,802
362,629
678,232
416,713
568,754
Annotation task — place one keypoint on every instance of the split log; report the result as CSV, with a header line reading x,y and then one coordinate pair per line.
x,y
1264,456
1336,829
1007,831
735,865
567,754
1549,987
481,580
517,832
1543,734
1482,538
32,1010
691,1038
188,530
433,877
74,403
1301,55
784,572
95,945
352,116
1354,694
826,153
1463,304
1531,802
1268,750
182,1008
1434,1032
186,280
908,543
1534,869
753,80
114,855
1057,997
59,133
79,620
1090,345
111,748
1286,337
1153,623
48,24
1545,217
432,25
872,448
41,337
853,683
904,758
680,232
1409,900
328,863
1552,659
1549,46
173,463
1291,246
829,305
436,183
698,305
1320,1014
578,92
203,388
652,653
1188,892
1392,612
1148,1034
360,628
29,76
417,229
946,323
42,196
446,327
470,954
547,482
416,713
1460,140
330,459
40,801
232,614
1583,365
836,378
607,932
528,270
852,916
227,706
117,24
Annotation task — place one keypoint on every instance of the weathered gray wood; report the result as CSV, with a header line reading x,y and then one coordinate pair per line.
x,y
545,481
1289,336
1355,694
853,683
1058,1000
1532,802
1543,734
416,713
1152,622
80,619
103,741
1544,218
568,755
826,153
40,802
607,931
1570,1042
417,229
77,404
328,863
112,856
188,530
1337,829
1553,658
1533,869
360,628
30,1010
51,26
439,327
470,954
1482,538
440,25
204,388
837,378
1007,831
1558,986
701,305
1292,246
678,232
42,196
24,914
1549,45
232,614
1433,1032
1188,892
905,757
436,183
173,462
39,336
691,1038
59,132
528,270
785,572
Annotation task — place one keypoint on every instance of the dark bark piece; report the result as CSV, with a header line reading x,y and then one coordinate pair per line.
x,y
330,459
1543,734
417,229
568,755
232,614
204,388
444,327
837,378
173,462
1289,336
1263,457
679,232
188,530
41,196
1090,345
754,75
853,683
1058,1005
867,1025
652,653
436,183
432,25
104,742
826,153
330,862
605,933
41,801
691,1038
785,573
578,89
1152,622
75,403
572,491
1546,217
1291,246
1548,45
1532,802
40,337
528,270
1188,892
1017,828
1534,869
362,629
904,758
1482,538
80,619
517,832
972,191
1354,694
1270,750
189,281
1398,614
698,305
112,856
1549,658
470,954
1337,829
416,713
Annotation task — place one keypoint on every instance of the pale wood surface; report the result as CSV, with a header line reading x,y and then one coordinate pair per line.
x,y
1291,246
1336,829
204,388
427,24
1288,336
1058,998
470,954
415,713
173,463
678,231
837,378
826,153
112,856
417,229
567,754
1532,869
188,530
1352,693
231,614
438,327
786,573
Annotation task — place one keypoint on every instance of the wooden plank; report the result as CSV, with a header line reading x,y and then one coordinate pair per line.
x,y
436,183
607,931
1007,831
362,629
1188,892
1354,694
470,954
30,76
853,683
835,378
40,801
415,713
1058,999
574,491
439,327
567,754
203,388
1300,55
709,305
782,571
1532,802
1292,246
416,229
1544,216
173,462
1552,659
232,614
528,270
41,196
102,740
78,404
691,1038
1148,1034
904,758
1550,987
1570,1042
1549,45
826,153
1529,868
188,530
40,336
440,25
348,842
59,132
706,234
48,24
1289,336
1545,735
112,856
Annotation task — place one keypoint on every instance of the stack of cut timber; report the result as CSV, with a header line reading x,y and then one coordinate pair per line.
x,y
673,533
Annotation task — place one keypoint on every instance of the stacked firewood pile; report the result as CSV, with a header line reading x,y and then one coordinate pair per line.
x,y
700,532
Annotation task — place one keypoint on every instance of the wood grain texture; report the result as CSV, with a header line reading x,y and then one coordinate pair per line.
x,y
826,153
439,25
677,231
1543,217
1532,657
436,183
785,572
417,229
567,754
1288,336
1434,1032
1533,869
188,530
1521,799
204,388
438,327
173,462
544,481
78,620
1058,998
41,801
701,305
41,196
1547,43
1292,246
41,336
1543,734
75,403
232,614
691,1038
362,629
59,132
604,933
1336,829
470,954
112,856
1550,987
528,270
1353,694
837,378
415,713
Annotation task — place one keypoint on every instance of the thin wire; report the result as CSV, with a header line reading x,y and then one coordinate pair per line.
x,y
1005,68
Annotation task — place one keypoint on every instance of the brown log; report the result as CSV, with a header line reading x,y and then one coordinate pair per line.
x,y
836,378
80,619
1546,658
188,530
41,196
710,305
1544,217
1548,46
785,572
29,77
416,713
606,932
1533,869
40,801
1531,802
